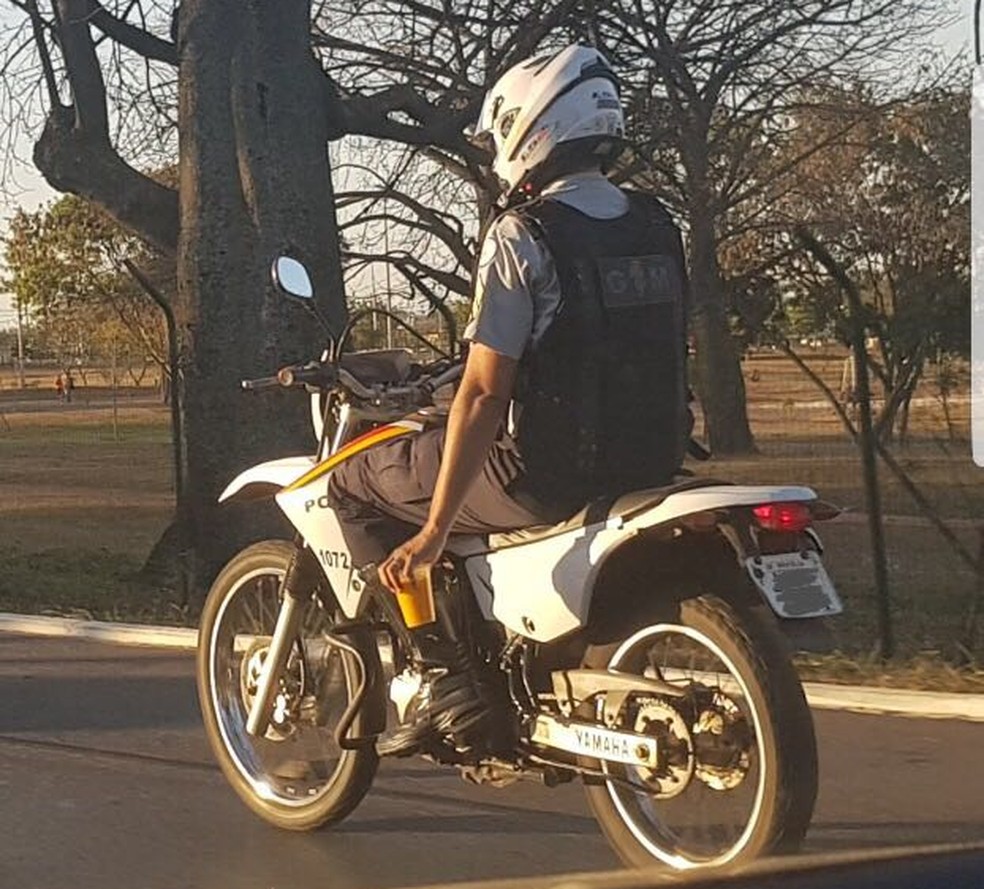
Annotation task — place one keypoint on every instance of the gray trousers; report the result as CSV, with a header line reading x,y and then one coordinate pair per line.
x,y
382,495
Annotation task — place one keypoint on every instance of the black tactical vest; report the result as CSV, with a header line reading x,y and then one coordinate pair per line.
x,y
602,396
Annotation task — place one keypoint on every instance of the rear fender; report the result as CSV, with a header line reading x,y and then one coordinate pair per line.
x,y
648,577
544,587
713,498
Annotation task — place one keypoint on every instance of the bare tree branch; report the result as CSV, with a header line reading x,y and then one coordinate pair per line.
x,y
136,39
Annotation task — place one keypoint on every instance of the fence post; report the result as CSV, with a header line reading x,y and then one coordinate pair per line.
x,y
872,493
867,443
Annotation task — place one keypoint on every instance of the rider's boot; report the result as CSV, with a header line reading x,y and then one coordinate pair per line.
x,y
449,700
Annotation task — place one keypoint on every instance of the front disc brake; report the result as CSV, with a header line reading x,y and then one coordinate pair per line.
x,y
286,703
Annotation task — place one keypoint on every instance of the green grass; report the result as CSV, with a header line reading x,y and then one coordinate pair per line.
x,y
81,510
89,584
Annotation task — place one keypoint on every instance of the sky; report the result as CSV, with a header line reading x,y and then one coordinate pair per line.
x,y
28,189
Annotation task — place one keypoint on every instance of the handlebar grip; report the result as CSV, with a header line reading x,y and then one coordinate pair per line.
x,y
442,379
317,375
261,383
311,374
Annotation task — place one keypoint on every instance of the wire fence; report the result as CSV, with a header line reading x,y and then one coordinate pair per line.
x,y
98,477
930,492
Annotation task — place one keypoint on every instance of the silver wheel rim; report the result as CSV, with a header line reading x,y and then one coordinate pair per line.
x,y
249,754
627,801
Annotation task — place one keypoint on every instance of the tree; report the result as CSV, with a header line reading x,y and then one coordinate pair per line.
x,y
892,204
64,265
712,87
255,110
253,180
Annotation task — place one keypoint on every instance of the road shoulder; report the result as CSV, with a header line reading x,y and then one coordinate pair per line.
x,y
821,696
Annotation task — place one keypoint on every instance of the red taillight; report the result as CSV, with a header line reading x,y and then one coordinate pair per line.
x,y
788,517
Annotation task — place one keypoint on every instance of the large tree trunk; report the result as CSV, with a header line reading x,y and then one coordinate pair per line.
x,y
254,181
719,381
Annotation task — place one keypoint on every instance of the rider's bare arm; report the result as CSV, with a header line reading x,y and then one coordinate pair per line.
x,y
477,411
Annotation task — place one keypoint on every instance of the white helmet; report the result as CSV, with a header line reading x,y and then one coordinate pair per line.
x,y
568,98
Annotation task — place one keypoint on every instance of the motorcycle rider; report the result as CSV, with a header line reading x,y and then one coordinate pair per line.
x,y
574,385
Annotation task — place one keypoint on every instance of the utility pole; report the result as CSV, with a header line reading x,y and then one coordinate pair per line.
x,y
389,286
20,346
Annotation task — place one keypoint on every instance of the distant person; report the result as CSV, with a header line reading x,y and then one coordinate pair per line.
x,y
69,386
60,387
849,386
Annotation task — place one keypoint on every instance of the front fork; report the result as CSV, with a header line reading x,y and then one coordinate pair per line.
x,y
295,593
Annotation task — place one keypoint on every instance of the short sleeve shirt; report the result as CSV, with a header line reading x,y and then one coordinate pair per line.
x,y
516,288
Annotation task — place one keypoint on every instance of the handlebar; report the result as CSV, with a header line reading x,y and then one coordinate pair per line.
x,y
293,375
327,375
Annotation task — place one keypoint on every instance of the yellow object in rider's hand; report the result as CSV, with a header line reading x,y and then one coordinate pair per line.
x,y
416,600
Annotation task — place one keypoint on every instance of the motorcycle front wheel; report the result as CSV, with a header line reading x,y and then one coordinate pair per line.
x,y
738,769
296,776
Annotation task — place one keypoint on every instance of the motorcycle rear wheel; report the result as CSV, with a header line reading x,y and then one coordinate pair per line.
x,y
736,654
296,777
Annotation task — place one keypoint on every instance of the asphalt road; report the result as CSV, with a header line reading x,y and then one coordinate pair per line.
x,y
106,782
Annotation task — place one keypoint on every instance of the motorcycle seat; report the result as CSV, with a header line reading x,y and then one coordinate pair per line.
x,y
598,511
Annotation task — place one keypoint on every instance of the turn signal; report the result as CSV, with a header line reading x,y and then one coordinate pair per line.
x,y
787,517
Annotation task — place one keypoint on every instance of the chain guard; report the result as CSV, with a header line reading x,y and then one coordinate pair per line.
x,y
704,736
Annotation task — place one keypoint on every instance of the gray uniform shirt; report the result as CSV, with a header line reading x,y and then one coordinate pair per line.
x,y
516,290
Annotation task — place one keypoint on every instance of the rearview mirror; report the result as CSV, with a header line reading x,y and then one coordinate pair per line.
x,y
290,277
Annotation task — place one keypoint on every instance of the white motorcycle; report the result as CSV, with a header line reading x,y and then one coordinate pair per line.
x,y
638,646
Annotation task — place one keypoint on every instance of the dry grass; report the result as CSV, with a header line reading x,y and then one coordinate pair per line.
x,y
79,512
947,476
925,672
930,590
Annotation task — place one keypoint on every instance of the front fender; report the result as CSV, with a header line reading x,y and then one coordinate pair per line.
x,y
266,479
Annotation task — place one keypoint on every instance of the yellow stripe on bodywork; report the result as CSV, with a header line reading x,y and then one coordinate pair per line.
x,y
384,433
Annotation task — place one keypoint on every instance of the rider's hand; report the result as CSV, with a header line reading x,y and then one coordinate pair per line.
x,y
417,554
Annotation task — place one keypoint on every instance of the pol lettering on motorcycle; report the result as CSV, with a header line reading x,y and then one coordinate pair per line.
x,y
323,533
321,502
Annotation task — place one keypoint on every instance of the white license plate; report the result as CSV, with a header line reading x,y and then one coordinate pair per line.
x,y
599,743
796,584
